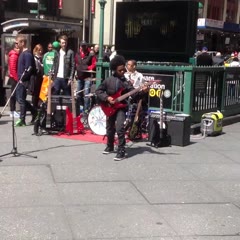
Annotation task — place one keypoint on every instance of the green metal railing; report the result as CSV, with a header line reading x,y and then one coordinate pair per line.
x,y
196,90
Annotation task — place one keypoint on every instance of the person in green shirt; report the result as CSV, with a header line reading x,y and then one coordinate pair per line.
x,y
49,56
47,66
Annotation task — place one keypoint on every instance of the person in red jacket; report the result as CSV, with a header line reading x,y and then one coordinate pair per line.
x,y
85,61
13,77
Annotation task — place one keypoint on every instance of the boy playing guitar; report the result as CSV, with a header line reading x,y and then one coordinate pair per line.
x,y
112,93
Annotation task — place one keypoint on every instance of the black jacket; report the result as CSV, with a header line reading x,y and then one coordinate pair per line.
x,y
112,85
69,64
204,59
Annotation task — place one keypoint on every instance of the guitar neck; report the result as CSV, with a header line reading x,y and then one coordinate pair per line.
x,y
119,99
161,110
49,97
126,95
138,110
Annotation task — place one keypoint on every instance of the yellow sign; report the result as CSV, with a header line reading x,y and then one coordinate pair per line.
x,y
154,92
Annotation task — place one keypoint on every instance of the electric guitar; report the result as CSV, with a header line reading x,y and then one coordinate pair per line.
x,y
49,101
110,109
73,123
135,126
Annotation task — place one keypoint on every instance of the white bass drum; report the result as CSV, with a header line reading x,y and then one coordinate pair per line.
x,y
97,121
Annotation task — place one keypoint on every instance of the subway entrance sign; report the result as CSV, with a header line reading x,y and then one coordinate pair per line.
x,y
155,88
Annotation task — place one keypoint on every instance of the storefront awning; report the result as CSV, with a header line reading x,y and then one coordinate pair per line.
x,y
209,23
34,24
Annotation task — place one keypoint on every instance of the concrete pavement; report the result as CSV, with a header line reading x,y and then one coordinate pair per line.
x,y
72,191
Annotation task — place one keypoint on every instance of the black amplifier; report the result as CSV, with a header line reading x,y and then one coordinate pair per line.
x,y
178,127
59,104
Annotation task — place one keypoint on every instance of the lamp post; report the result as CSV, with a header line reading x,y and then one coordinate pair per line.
x,y
84,19
101,34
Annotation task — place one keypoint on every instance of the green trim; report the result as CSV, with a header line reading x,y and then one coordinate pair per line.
x,y
200,5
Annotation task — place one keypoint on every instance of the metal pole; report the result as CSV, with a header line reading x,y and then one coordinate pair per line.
x,y
101,35
84,19
38,8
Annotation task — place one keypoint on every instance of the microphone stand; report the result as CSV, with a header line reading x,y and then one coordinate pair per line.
x,y
14,150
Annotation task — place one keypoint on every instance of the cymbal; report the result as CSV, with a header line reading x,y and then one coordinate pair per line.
x,y
90,79
89,71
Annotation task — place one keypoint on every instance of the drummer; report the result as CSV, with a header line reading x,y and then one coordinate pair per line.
x,y
137,79
85,61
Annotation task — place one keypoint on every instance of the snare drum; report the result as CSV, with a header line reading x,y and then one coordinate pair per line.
x,y
97,121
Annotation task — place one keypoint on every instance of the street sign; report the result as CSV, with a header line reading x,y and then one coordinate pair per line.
x,y
34,11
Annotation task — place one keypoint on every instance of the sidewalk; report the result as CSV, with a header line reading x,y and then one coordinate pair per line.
x,y
72,191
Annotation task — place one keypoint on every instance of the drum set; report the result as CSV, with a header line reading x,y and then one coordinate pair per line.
x,y
95,119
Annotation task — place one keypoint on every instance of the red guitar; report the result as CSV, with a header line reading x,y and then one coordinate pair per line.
x,y
110,109
73,123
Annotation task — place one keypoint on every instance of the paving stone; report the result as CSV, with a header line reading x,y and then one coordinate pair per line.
x,y
87,172
34,223
202,219
229,189
214,171
117,221
178,192
25,174
100,193
28,195
158,171
211,238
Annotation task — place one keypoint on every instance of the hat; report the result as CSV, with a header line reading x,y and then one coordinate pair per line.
x,y
204,49
56,44
83,43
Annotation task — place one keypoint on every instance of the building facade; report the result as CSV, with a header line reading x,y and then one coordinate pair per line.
x,y
218,25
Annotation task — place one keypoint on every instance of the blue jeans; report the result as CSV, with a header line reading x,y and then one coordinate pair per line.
x,y
21,95
83,85
61,84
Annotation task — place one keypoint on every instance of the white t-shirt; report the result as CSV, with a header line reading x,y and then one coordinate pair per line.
x,y
60,73
137,77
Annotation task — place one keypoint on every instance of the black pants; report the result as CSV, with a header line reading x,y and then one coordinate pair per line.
x,y
115,123
13,84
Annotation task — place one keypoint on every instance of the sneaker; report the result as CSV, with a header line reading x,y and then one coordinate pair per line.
x,y
16,114
11,114
108,150
120,155
20,123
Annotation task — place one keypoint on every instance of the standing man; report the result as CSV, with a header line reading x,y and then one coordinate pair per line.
x,y
13,77
26,68
63,67
204,59
85,63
